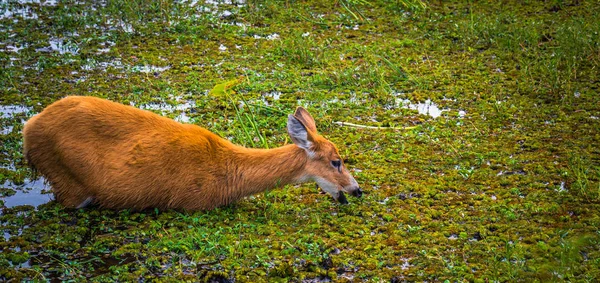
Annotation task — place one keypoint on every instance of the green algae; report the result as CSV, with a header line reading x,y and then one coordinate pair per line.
x,y
506,192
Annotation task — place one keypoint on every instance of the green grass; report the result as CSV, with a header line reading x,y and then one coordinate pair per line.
x,y
584,178
503,186
551,54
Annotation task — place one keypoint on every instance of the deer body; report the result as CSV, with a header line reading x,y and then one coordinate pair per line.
x,y
116,156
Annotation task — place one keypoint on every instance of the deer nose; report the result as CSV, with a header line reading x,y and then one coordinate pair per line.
x,y
357,193
342,198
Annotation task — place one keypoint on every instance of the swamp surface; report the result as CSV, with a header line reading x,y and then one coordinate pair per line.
x,y
485,168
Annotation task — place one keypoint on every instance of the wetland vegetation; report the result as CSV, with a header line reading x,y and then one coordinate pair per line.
x,y
485,168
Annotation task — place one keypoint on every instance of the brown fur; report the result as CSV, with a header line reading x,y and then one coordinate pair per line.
x,y
124,157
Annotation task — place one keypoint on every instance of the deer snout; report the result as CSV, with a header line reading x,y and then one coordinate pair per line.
x,y
342,198
357,193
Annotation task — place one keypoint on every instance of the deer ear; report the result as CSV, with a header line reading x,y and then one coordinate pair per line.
x,y
306,119
299,134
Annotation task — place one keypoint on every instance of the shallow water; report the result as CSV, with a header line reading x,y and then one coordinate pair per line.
x,y
8,111
24,12
19,232
273,36
149,69
61,46
165,107
425,108
104,66
29,193
269,97
6,131
182,109
45,3
13,48
183,118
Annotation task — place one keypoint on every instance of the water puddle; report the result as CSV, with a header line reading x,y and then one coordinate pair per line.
x,y
92,64
78,79
347,276
424,108
13,48
269,97
7,234
45,3
221,9
562,188
7,130
384,201
275,95
102,50
183,108
32,192
107,45
350,99
23,12
239,3
317,279
9,166
120,25
427,107
182,118
508,173
165,107
10,111
149,69
215,4
405,265
273,36
61,46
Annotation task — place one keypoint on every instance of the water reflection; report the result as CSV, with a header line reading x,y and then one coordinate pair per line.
x,y
32,192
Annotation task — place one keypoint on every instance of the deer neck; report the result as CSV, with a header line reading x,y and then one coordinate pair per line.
x,y
256,170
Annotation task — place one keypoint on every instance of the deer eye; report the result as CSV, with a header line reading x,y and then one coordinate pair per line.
x,y
337,164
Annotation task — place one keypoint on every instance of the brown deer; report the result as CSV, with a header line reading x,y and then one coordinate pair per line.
x,y
94,151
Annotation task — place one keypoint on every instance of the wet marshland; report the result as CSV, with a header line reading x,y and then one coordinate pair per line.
x,y
480,160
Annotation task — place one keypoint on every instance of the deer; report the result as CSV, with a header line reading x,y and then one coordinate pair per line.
x,y
93,151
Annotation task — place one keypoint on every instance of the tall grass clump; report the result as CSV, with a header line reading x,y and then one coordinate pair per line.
x,y
578,45
585,178
549,55
300,49
411,5
246,117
